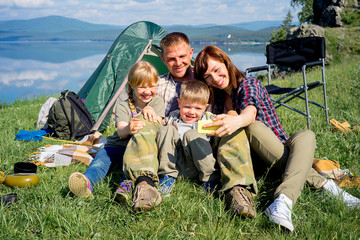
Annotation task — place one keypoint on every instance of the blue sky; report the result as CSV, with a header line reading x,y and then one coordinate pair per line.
x,y
162,12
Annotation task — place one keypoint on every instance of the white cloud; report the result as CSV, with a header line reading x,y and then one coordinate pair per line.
x,y
162,12
27,3
24,83
6,3
26,78
73,3
53,85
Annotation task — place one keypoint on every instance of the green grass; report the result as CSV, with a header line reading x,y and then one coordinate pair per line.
x,y
351,16
50,211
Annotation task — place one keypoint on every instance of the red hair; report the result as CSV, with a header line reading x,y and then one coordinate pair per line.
x,y
201,66
210,51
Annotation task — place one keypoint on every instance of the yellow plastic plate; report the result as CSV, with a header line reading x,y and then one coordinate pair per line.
x,y
201,129
2,177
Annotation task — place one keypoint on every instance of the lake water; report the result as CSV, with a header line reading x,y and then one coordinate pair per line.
x,y
30,69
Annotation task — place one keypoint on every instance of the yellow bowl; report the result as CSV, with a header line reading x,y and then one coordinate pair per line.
x,y
2,177
22,180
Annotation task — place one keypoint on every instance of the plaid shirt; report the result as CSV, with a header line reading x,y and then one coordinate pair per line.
x,y
169,89
252,92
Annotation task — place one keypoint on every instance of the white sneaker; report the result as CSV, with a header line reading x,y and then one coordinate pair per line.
x,y
280,212
334,190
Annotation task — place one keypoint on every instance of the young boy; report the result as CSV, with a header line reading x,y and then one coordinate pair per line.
x,y
183,152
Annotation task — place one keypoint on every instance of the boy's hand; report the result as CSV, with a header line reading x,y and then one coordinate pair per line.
x,y
135,125
149,114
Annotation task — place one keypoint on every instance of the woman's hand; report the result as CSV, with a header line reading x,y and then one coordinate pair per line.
x,y
135,125
228,124
149,114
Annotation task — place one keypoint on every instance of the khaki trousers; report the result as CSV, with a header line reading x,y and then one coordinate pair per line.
x,y
294,158
192,157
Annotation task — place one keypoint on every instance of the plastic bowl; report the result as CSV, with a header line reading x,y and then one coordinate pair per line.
x,y
25,167
22,180
2,177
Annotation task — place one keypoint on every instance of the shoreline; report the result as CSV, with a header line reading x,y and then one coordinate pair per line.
x,y
199,43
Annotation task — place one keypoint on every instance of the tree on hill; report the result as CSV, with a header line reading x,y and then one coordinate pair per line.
x,y
283,30
306,14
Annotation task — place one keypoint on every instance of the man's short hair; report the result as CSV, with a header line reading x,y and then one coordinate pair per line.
x,y
173,38
195,91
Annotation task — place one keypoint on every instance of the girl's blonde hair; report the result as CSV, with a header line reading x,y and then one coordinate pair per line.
x,y
141,73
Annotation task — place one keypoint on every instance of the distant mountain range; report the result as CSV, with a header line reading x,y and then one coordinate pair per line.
x,y
57,28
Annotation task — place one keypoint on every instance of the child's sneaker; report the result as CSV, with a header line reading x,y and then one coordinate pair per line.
x,y
334,190
79,185
122,194
166,184
210,186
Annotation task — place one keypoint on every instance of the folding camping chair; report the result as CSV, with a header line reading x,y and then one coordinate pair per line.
x,y
295,53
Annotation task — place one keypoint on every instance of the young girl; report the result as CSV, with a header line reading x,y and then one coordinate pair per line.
x,y
143,79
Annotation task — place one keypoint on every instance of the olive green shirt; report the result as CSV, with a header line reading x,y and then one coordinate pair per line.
x,y
123,114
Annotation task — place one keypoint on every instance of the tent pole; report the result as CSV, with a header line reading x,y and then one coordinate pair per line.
x,y
117,94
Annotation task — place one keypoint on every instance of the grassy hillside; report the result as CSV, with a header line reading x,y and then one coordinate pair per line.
x,y
50,211
342,41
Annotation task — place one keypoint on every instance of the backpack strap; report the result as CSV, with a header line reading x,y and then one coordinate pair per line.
x,y
67,117
73,98
77,129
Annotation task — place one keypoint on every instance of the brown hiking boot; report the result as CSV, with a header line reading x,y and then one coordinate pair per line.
x,y
239,200
145,197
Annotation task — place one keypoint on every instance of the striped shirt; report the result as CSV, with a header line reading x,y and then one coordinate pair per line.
x,y
252,92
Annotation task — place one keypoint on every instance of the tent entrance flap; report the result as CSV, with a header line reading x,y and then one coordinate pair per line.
x,y
153,56
157,63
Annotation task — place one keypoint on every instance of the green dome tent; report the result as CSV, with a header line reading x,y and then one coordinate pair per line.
x,y
139,41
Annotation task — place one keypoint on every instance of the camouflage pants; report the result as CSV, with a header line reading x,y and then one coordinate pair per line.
x,y
141,154
190,157
233,156
232,152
